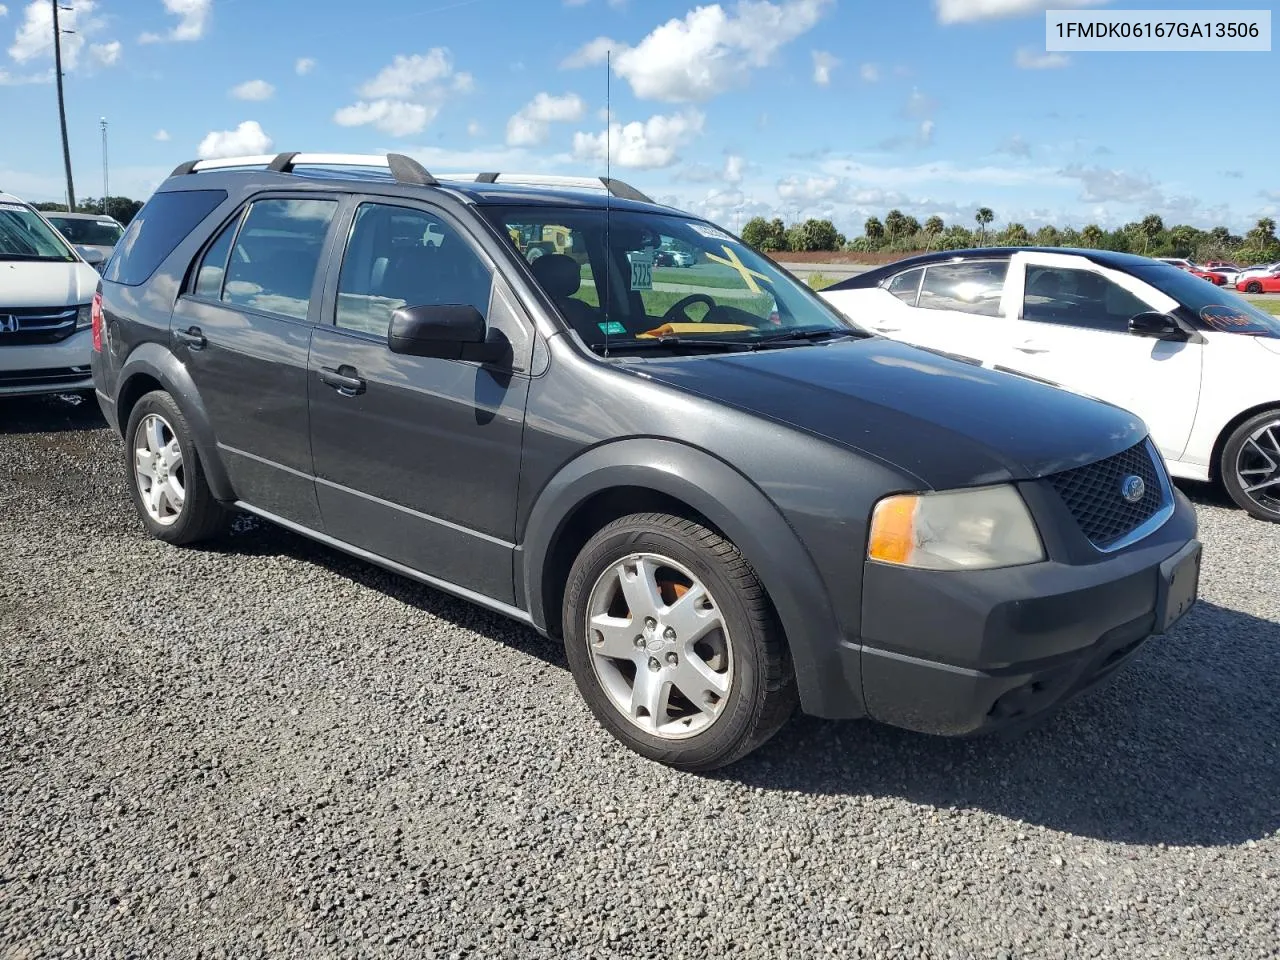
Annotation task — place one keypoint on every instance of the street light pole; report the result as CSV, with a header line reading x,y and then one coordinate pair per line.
x,y
106,190
62,108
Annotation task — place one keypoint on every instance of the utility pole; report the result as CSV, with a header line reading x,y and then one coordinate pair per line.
x,y
62,108
106,191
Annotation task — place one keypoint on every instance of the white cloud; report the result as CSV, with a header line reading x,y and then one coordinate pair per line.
x,y
589,54
734,168
474,129
823,64
248,139
304,65
8,79
407,94
193,18
963,11
161,135
400,118
531,125
810,189
709,51
106,54
253,90
33,39
4,11
869,73
1028,58
653,143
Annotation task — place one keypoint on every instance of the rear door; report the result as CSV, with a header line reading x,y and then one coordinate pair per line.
x,y
417,459
243,329
1072,327
956,309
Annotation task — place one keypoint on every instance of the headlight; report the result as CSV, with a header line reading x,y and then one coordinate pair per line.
x,y
84,317
959,530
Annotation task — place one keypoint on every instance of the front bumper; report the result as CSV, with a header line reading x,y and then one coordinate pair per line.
x,y
962,653
47,368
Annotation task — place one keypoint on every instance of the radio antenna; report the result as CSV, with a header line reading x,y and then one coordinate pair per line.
x,y
608,192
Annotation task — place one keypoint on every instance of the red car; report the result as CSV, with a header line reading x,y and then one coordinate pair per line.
x,y
1266,283
1215,278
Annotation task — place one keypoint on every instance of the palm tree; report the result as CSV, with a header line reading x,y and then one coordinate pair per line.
x,y
1016,235
933,228
1150,228
1091,235
874,229
895,224
983,216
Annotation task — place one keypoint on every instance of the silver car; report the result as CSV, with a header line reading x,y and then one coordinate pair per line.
x,y
91,233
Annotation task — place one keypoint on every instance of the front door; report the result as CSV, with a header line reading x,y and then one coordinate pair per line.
x,y
1072,327
417,459
243,330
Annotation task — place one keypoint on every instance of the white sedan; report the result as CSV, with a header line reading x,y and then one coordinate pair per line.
x,y
1198,363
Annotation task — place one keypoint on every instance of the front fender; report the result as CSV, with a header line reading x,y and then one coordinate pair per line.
x,y
154,361
829,684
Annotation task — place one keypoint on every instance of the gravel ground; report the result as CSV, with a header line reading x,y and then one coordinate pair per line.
x,y
267,749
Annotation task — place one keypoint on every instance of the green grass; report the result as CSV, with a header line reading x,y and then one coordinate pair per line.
x,y
1269,304
819,281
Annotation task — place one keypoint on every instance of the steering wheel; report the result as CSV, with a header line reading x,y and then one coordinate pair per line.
x,y
680,306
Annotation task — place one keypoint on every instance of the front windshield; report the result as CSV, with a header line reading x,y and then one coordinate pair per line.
x,y
91,233
24,236
1217,308
659,276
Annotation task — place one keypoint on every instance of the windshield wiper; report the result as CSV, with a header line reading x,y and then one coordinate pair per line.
x,y
812,336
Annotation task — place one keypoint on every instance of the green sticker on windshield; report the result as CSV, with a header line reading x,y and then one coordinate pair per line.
x,y
611,328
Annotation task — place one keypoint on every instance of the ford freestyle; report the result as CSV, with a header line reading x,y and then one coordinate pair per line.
x,y
725,498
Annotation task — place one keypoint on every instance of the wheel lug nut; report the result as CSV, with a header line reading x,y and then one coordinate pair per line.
x,y
669,633
640,642
672,658
654,665
650,623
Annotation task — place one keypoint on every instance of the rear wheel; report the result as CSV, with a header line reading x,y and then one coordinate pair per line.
x,y
169,489
1253,287
1250,466
674,644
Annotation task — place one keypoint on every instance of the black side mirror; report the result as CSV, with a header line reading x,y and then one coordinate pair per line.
x,y
449,331
1158,326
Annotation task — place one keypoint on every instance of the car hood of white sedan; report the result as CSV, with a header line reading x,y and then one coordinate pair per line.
x,y
24,283
1269,343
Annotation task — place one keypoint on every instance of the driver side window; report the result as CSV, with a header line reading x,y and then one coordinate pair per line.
x,y
1078,298
400,256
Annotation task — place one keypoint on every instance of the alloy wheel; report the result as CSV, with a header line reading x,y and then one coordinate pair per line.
x,y
659,646
1258,466
158,468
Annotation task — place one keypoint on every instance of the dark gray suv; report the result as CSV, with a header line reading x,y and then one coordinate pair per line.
x,y
725,498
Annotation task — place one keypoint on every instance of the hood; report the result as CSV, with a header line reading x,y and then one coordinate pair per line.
x,y
27,284
947,422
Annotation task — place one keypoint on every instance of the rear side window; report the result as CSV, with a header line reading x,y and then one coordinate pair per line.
x,y
157,229
969,287
905,285
273,263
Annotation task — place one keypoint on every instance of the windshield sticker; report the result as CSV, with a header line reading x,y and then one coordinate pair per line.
x,y
710,232
1232,319
641,269
612,328
748,275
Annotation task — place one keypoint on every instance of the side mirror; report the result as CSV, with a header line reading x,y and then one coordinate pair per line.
x,y
91,256
449,331
1158,326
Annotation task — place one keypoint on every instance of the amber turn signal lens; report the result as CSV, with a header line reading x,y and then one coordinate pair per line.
x,y
893,529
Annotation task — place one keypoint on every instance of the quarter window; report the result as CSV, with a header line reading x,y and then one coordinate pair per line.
x,y
969,287
905,286
273,263
398,257
159,227
1078,298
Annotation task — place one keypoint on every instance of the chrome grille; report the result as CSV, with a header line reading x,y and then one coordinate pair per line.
x,y
1094,494
23,326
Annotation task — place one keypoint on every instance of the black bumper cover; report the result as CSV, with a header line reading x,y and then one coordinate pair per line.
x,y
962,653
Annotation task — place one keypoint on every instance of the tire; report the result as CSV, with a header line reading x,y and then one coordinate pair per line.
x,y
196,515
1253,287
1251,456
745,658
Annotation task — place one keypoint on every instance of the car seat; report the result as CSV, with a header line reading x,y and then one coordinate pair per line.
x,y
561,277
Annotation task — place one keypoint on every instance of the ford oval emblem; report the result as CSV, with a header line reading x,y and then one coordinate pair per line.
x,y
1133,489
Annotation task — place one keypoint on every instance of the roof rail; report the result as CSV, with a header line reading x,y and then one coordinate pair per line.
x,y
617,188
404,169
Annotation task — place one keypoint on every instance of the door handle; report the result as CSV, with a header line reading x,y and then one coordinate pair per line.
x,y
192,337
348,386
1030,346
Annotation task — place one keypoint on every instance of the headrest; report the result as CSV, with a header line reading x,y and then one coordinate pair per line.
x,y
559,275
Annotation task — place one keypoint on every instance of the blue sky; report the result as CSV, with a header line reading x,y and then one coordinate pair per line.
x,y
839,108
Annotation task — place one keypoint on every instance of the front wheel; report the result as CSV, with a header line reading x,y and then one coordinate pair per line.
x,y
1253,287
674,644
1250,466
